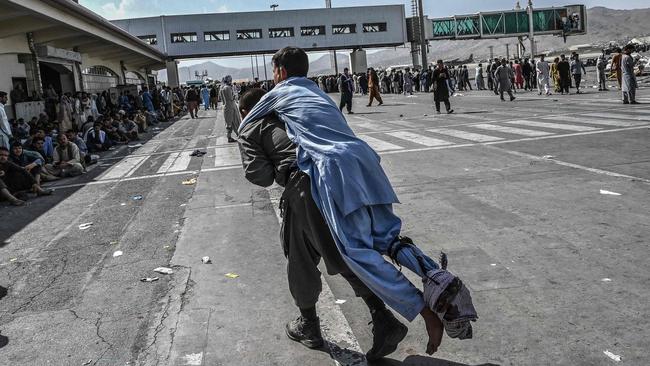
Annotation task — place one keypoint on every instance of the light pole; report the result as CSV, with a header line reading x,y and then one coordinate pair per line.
x,y
423,41
273,6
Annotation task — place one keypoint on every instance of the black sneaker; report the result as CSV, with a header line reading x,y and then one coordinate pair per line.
x,y
305,331
387,332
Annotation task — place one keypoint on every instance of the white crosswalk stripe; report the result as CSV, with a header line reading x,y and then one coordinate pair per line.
x,y
471,136
556,126
226,156
619,116
380,145
221,140
371,126
124,168
148,148
596,121
407,124
168,163
511,130
419,139
181,163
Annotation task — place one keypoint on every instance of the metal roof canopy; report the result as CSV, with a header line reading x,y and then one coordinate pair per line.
x,y
68,25
567,20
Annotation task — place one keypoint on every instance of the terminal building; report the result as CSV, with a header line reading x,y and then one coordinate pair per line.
x,y
63,44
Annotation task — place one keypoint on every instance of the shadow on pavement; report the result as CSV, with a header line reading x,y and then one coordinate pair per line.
x,y
422,361
3,340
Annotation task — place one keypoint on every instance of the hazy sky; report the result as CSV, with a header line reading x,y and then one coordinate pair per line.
x,y
119,9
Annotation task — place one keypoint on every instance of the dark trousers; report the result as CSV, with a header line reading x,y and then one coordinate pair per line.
x,y
577,78
18,181
346,101
447,104
565,83
306,239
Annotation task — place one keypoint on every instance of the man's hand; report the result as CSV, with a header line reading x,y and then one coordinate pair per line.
x,y
434,329
29,167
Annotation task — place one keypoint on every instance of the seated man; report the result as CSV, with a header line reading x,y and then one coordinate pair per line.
x,y
15,180
67,160
37,144
268,155
140,119
97,139
111,127
81,144
127,127
31,161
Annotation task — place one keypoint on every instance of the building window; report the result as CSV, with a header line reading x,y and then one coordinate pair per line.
x,y
184,37
315,30
280,32
374,27
149,39
249,34
344,29
216,36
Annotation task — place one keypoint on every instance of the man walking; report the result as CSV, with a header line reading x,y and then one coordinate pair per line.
x,y
230,109
193,100
373,87
346,88
601,65
543,72
440,80
564,69
352,192
504,75
577,69
628,79
5,127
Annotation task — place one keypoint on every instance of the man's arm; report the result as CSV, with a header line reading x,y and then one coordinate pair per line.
x,y
258,168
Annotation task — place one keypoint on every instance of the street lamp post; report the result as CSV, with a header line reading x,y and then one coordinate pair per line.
x,y
273,6
423,41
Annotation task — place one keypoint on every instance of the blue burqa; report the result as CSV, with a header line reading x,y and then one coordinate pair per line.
x,y
349,187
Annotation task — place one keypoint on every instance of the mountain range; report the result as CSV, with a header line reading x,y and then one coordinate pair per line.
x,y
604,26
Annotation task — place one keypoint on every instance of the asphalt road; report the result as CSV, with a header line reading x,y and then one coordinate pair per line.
x,y
511,191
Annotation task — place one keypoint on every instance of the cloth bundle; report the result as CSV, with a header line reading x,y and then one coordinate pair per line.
x,y
446,295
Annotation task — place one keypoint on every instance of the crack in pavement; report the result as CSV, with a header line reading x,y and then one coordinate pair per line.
x,y
110,345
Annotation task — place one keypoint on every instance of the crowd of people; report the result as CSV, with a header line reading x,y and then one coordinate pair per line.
x,y
501,76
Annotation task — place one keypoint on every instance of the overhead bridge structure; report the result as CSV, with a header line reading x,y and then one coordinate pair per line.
x,y
250,33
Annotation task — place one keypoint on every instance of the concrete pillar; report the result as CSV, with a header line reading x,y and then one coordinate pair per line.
x,y
358,61
172,74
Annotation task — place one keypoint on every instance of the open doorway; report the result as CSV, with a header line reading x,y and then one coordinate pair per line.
x,y
58,75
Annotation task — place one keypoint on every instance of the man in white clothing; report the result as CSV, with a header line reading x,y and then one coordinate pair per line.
x,y
5,127
543,70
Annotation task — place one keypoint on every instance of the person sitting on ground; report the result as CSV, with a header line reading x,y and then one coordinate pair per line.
x,y
97,139
81,144
15,181
22,129
112,131
141,120
127,127
31,161
67,160
36,143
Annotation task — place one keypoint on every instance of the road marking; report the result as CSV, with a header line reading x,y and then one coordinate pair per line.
x,y
619,116
221,140
511,130
148,148
595,121
408,124
182,162
225,156
556,126
466,135
124,167
372,126
380,145
168,163
418,139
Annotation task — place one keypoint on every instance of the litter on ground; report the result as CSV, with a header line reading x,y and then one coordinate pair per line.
x,y
164,270
206,260
339,302
614,357
85,226
606,280
137,197
232,275
117,253
189,182
602,191
149,279
548,157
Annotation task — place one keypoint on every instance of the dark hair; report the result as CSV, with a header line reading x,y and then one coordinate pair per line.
x,y
2,148
293,59
3,94
248,100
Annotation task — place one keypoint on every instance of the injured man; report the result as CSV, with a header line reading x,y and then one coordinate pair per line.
x,y
337,205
